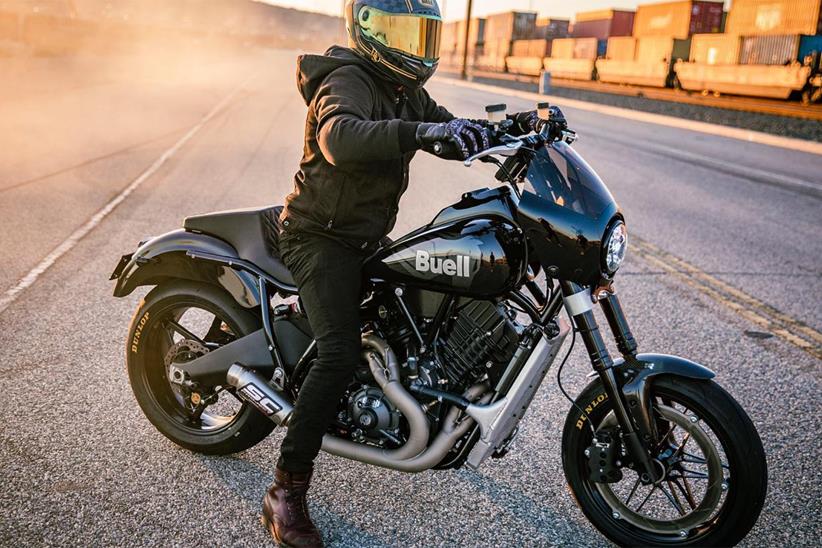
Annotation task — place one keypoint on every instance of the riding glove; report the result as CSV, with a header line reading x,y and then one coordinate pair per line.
x,y
528,121
524,122
465,137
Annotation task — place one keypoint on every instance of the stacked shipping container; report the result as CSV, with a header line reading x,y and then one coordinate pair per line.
x,y
754,17
575,57
760,54
661,36
572,58
603,24
501,29
550,28
452,43
715,49
678,19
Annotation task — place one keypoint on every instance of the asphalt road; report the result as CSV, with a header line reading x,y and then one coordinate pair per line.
x,y
82,466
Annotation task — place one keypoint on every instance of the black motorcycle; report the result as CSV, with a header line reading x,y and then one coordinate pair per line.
x,y
461,321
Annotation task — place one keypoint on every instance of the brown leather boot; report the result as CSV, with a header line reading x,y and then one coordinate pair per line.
x,y
285,511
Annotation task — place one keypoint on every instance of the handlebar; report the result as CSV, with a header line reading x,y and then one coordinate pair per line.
x,y
505,144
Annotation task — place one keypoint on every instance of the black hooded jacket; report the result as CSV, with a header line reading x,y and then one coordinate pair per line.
x,y
360,136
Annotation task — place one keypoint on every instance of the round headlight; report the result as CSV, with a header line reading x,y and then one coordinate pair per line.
x,y
616,244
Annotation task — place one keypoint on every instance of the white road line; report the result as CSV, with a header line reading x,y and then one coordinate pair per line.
x,y
658,119
12,294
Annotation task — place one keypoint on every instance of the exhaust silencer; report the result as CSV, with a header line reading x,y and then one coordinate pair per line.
x,y
254,389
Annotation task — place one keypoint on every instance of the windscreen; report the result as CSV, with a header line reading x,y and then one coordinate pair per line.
x,y
558,174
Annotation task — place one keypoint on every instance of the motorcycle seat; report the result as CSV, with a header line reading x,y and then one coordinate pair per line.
x,y
253,232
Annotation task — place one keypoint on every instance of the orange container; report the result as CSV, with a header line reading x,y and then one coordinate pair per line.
x,y
715,49
751,17
621,48
678,19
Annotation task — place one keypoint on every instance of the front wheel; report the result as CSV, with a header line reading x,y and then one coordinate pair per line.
x,y
715,474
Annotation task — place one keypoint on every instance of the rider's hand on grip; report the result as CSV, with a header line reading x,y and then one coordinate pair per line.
x,y
458,139
524,122
557,123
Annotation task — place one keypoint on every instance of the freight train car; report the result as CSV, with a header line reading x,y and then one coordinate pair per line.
x,y
661,38
770,49
663,52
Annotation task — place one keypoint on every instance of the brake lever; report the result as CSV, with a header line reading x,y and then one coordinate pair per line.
x,y
508,148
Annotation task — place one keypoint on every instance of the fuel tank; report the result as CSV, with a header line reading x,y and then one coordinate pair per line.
x,y
483,256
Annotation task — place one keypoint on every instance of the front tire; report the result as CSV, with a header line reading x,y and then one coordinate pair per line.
x,y
180,321
728,475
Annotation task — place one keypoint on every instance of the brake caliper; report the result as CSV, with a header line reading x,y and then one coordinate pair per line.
x,y
604,457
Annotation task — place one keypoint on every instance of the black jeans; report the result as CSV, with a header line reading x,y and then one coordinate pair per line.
x,y
329,276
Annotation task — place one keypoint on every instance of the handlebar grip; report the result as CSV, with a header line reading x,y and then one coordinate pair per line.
x,y
445,149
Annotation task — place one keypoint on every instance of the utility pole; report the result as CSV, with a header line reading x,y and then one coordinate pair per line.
x,y
465,41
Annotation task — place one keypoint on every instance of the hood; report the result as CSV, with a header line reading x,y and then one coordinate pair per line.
x,y
312,69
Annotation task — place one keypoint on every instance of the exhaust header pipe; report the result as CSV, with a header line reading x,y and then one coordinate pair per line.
x,y
253,388
416,455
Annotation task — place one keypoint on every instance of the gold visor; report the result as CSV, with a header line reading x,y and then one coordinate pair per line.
x,y
415,35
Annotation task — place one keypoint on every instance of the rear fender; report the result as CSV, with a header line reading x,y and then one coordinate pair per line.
x,y
638,373
166,258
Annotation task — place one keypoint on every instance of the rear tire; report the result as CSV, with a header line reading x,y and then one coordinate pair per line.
x,y
147,346
712,409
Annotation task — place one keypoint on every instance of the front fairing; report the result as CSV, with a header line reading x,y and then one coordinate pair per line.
x,y
565,211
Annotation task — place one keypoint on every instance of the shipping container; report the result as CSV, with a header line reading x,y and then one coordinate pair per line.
x,y
501,48
603,24
772,81
511,25
678,19
449,37
531,48
638,73
769,50
453,35
621,48
651,65
667,50
750,17
528,66
550,28
809,45
576,48
495,63
715,49
572,69
563,48
493,55
586,48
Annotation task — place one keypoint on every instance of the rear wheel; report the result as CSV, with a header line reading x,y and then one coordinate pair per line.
x,y
176,323
715,474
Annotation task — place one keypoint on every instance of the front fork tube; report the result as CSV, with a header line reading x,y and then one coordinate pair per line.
x,y
579,304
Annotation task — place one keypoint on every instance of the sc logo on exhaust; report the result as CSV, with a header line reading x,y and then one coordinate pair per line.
x,y
255,397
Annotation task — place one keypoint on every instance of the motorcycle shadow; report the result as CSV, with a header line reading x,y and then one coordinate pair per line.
x,y
536,520
248,480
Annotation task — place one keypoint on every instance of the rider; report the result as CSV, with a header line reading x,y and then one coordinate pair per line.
x,y
368,114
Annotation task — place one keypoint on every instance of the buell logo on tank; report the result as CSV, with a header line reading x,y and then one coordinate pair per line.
x,y
459,266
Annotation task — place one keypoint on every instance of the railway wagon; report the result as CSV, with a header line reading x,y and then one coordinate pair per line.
x,y
771,48
661,37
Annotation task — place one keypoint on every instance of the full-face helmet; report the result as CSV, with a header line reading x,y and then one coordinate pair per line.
x,y
400,37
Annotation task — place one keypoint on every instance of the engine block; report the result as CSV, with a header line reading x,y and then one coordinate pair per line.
x,y
481,339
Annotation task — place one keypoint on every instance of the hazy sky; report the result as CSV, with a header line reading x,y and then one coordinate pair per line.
x,y
455,9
